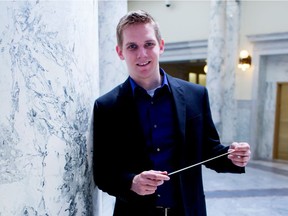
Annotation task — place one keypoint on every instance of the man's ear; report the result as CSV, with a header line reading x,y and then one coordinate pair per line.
x,y
162,46
119,52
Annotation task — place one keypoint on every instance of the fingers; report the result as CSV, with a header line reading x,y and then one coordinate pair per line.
x,y
239,160
147,182
240,153
155,175
240,146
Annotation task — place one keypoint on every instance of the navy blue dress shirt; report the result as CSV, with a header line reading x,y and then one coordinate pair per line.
x,y
158,119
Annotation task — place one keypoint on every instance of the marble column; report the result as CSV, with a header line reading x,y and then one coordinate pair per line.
x,y
222,62
112,71
229,115
49,81
215,59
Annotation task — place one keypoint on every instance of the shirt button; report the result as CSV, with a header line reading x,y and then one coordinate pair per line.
x,y
158,195
158,149
155,126
152,102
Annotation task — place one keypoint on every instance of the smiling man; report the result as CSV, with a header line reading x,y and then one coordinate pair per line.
x,y
150,126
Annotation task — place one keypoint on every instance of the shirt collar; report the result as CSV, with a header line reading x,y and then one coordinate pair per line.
x,y
164,82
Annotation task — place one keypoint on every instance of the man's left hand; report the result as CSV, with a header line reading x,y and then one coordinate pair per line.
x,y
240,154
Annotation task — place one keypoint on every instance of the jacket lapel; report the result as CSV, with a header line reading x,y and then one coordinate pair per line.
x,y
180,103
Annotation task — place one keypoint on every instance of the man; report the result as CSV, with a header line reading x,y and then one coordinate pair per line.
x,y
152,125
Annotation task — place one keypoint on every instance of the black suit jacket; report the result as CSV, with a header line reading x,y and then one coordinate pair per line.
x,y
120,152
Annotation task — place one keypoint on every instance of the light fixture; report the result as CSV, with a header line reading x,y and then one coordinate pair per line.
x,y
205,69
244,60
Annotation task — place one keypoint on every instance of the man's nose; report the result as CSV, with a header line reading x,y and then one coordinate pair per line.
x,y
142,52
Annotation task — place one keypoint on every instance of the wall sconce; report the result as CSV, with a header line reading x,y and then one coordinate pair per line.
x,y
205,69
244,60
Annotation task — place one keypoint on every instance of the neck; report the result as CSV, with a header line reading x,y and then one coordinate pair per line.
x,y
149,84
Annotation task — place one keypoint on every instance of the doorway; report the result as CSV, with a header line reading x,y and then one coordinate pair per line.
x,y
192,71
281,123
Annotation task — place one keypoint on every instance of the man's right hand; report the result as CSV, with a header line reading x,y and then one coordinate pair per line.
x,y
146,183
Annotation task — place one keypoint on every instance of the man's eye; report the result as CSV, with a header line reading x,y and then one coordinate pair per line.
x,y
150,44
132,47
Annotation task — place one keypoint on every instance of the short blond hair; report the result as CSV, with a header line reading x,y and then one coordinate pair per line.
x,y
134,18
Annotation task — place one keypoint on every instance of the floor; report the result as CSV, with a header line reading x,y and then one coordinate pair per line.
x,y
261,191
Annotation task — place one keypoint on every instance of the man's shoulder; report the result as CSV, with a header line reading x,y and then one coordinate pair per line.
x,y
114,93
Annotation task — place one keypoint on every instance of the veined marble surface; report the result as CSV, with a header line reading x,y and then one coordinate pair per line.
x,y
49,81
112,69
222,56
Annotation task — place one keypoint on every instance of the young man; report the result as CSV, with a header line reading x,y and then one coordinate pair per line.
x,y
154,124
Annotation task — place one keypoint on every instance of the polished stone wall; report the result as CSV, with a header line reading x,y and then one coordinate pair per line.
x,y
55,60
112,68
221,60
49,80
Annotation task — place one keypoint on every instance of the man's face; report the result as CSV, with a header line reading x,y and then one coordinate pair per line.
x,y
141,51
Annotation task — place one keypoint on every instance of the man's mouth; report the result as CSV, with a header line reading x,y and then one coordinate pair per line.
x,y
143,64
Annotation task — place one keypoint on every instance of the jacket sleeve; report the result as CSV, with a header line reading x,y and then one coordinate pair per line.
x,y
118,152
